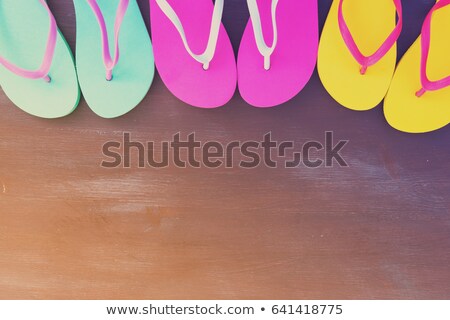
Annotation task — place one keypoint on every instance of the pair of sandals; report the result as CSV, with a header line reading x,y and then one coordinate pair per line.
x,y
416,92
267,75
115,76
112,83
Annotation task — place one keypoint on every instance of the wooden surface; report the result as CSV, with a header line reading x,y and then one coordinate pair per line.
x,y
71,229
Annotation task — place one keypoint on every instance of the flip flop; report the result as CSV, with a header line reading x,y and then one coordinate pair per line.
x,y
27,43
112,85
358,51
179,29
415,103
270,76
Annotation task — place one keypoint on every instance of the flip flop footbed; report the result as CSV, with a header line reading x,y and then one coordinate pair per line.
x,y
182,74
370,23
133,74
24,27
293,60
403,109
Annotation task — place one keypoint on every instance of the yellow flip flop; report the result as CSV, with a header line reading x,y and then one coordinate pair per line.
x,y
414,103
358,51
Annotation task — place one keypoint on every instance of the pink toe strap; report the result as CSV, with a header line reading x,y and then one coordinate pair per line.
x,y
110,62
427,84
42,72
367,61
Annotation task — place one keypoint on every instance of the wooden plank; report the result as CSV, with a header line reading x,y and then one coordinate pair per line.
x,y
72,229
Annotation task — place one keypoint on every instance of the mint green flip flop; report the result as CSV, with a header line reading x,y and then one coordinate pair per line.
x,y
37,70
113,85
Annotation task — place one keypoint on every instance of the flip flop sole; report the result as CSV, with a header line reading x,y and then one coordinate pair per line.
x,y
403,110
293,60
370,23
24,26
183,75
132,76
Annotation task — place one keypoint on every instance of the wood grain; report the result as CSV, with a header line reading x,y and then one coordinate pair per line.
x,y
379,229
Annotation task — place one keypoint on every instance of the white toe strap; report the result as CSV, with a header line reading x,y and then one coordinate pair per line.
x,y
206,57
263,48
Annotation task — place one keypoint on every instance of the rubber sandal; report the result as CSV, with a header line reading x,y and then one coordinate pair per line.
x,y
414,103
358,51
181,28
37,70
271,75
114,55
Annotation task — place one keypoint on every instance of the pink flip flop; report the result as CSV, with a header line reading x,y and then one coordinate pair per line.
x,y
181,29
270,76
